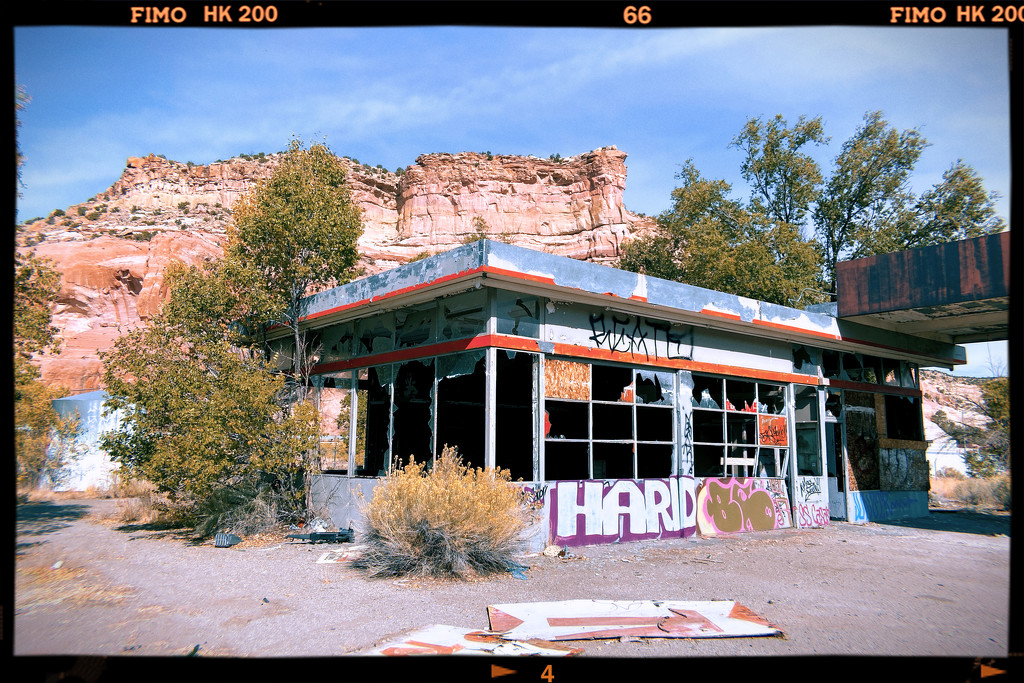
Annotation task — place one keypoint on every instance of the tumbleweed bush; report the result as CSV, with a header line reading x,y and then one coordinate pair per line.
x,y
450,521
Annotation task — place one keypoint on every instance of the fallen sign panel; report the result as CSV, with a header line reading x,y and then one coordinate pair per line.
x,y
453,640
585,619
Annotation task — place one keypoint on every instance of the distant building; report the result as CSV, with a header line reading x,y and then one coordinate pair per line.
x,y
90,466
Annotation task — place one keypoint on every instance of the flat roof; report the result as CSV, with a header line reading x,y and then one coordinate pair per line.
x,y
495,264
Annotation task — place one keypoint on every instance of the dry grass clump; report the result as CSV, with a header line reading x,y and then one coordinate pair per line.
x,y
451,521
992,492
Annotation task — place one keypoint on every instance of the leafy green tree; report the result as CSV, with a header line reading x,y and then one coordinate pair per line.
x,y
867,192
956,208
864,207
294,233
203,415
710,240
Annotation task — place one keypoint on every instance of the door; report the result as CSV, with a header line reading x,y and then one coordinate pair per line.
x,y
810,489
835,457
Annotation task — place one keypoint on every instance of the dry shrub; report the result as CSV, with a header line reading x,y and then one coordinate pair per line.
x,y
993,492
452,521
123,486
145,508
942,487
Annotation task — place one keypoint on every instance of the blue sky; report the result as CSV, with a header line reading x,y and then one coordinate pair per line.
x,y
387,95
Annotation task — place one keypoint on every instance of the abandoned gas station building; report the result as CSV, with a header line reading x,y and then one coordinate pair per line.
x,y
631,407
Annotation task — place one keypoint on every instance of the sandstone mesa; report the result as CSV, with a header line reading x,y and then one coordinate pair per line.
x,y
112,250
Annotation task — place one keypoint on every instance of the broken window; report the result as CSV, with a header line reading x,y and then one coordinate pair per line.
x,y
373,402
337,342
808,446
334,403
626,416
830,364
461,391
903,418
890,372
414,326
805,359
375,335
517,401
908,372
412,434
739,427
280,353
518,314
464,315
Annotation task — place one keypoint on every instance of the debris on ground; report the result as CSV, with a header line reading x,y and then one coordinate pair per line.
x,y
222,540
344,555
453,640
518,571
586,619
556,551
345,536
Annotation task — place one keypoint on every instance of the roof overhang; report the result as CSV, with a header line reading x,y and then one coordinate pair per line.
x,y
957,292
562,279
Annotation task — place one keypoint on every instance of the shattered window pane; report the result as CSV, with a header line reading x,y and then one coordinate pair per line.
x,y
461,391
566,379
464,315
412,435
612,383
375,335
518,314
909,375
833,403
566,420
415,326
280,354
771,399
334,403
768,460
654,388
830,366
805,359
891,372
707,392
374,401
872,369
853,367
515,414
337,342
739,395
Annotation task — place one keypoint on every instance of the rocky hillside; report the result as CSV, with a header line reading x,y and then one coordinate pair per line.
x,y
112,249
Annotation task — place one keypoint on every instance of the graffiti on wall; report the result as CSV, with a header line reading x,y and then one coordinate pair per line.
x,y
902,469
589,512
812,515
741,504
771,430
639,336
875,506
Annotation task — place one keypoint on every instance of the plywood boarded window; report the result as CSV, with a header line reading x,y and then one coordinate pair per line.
x,y
566,379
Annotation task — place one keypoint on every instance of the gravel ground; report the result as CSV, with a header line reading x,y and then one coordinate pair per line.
x,y
932,587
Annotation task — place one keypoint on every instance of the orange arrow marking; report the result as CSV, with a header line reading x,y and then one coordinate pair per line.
x,y
500,671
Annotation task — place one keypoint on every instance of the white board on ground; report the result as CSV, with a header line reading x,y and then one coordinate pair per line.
x,y
454,640
585,619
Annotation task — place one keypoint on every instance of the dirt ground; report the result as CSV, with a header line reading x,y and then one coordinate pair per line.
x,y
84,585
